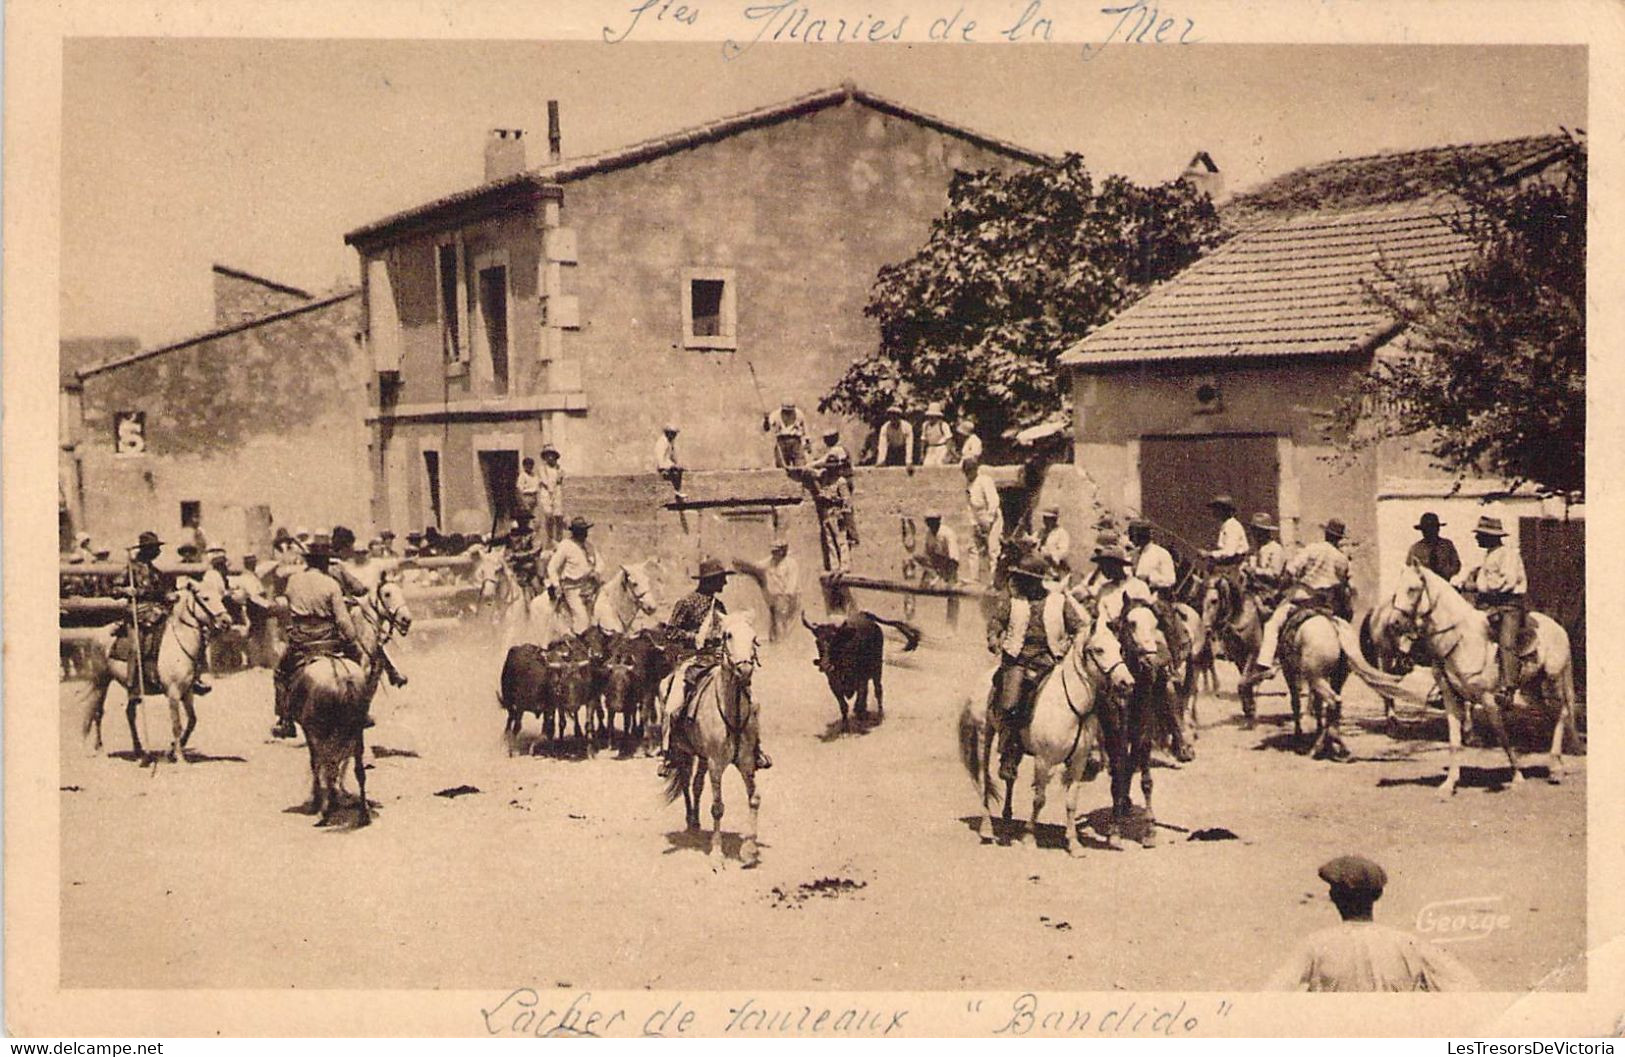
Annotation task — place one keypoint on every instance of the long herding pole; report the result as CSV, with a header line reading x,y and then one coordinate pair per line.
x,y
138,689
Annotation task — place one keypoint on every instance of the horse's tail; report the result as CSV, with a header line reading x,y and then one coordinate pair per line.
x,y
98,677
677,780
970,744
910,633
1384,684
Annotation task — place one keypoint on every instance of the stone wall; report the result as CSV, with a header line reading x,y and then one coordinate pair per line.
x,y
240,297
272,416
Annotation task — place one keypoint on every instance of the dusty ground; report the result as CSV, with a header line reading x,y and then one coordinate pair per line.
x,y
574,872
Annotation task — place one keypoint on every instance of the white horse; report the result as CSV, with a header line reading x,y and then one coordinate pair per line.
x,y
628,600
1458,635
1064,731
199,609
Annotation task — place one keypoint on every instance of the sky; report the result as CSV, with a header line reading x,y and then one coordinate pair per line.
x,y
181,153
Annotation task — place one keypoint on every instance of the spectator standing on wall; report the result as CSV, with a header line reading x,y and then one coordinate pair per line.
x,y
792,445
936,439
527,486
666,464
550,496
970,445
896,442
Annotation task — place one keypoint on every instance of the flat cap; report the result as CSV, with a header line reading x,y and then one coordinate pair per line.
x,y
1354,872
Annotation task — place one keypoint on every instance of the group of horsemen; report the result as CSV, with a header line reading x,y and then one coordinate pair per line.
x,y
1048,606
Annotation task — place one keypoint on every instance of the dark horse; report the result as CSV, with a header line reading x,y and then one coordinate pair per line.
x,y
329,698
1233,616
1131,724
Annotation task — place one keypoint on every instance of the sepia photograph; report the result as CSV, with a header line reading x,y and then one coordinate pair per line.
x,y
548,518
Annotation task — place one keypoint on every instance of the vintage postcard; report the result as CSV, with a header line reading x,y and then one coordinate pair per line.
x,y
812,518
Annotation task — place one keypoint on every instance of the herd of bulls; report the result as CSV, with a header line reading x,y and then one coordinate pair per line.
x,y
586,680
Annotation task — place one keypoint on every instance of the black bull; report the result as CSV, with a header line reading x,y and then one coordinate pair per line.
x,y
633,669
851,654
555,683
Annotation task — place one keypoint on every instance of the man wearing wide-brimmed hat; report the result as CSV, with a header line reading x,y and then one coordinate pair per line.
x,y
936,438
522,551
1232,548
550,496
149,590
572,574
318,624
695,630
1433,551
1500,585
1036,631
1265,568
1320,577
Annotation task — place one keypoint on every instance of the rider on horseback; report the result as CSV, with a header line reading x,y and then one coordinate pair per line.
x,y
1154,567
360,577
1500,585
695,630
318,625
149,590
524,552
572,574
1320,574
1033,639
1265,568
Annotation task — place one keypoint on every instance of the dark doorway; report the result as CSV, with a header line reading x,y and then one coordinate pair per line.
x,y
1179,475
500,472
494,307
1554,557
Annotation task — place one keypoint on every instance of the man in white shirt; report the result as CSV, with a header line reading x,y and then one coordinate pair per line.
x,y
1153,565
666,464
895,444
526,486
1320,575
935,437
987,515
1360,955
970,445
940,563
572,573
1232,547
550,495
1500,585
1054,543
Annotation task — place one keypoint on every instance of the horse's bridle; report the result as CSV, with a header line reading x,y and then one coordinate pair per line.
x,y
640,597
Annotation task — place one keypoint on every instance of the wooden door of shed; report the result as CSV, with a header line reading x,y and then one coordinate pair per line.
x,y
1179,475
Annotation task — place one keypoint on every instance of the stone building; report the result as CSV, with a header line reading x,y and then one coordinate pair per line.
x,y
700,277
259,420
1221,379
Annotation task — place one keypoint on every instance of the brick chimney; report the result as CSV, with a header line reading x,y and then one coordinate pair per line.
x,y
504,153
553,153
1205,176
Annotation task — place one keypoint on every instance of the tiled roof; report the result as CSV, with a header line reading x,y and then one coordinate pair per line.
x,y
571,169
125,359
1288,287
1402,176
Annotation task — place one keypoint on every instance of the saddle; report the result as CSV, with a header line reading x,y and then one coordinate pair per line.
x,y
1527,637
1301,614
123,650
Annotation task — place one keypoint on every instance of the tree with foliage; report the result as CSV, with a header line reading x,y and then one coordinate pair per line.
x,y
1491,379
1018,269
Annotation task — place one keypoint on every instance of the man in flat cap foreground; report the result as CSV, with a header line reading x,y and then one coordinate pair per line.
x,y
1360,955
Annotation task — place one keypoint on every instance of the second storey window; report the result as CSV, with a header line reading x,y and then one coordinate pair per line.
x,y
709,309
449,269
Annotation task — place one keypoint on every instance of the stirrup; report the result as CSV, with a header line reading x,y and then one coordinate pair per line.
x,y
763,760
397,680
199,688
